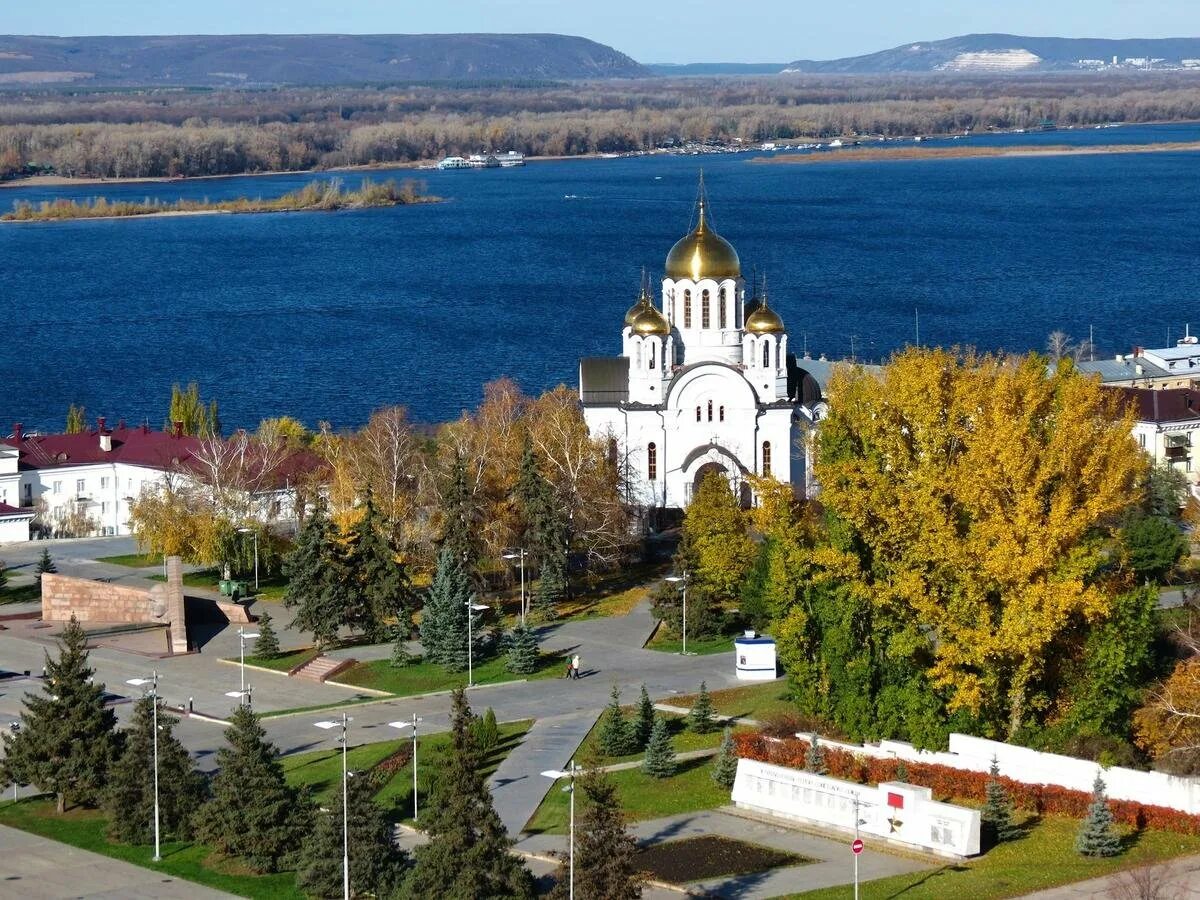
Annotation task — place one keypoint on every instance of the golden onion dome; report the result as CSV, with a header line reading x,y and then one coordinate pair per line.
x,y
703,254
632,312
764,320
650,321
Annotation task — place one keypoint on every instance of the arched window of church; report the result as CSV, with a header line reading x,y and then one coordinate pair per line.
x,y
766,458
710,410
721,307
687,309
721,413
766,355
697,413
637,356
651,356
652,461
705,315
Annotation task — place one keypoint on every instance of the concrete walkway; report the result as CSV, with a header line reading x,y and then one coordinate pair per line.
x,y
1175,880
833,861
37,868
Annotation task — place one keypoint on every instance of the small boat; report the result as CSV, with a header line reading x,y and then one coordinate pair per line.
x,y
454,162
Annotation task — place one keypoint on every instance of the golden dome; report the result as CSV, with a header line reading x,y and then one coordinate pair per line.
x,y
764,320
633,311
703,254
649,320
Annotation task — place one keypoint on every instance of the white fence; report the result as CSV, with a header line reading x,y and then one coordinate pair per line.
x,y
1034,767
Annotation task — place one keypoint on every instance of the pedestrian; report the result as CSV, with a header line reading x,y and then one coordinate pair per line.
x,y
570,668
575,666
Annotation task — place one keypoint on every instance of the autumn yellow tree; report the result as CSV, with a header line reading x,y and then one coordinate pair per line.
x,y
1168,725
715,532
973,501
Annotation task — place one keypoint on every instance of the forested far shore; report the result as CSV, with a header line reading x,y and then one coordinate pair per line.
x,y
317,195
168,133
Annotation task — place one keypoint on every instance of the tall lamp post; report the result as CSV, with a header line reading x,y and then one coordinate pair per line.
x,y
344,724
682,579
571,771
253,531
413,726
472,608
519,553
243,636
152,693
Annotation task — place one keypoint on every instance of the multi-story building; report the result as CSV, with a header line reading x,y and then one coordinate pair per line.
x,y
1170,367
1168,427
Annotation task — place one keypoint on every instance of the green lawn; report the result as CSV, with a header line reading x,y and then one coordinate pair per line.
x,y
271,588
1043,858
754,701
642,797
181,859
281,663
424,677
19,593
322,769
683,739
133,560
667,641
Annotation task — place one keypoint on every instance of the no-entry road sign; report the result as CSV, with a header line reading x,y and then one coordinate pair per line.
x,y
857,846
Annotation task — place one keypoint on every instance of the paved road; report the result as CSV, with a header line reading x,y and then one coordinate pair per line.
x,y
1177,880
36,868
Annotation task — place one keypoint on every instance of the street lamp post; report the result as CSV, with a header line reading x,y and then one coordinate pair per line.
x,y
472,608
682,579
253,531
520,554
413,726
570,773
152,693
344,724
243,636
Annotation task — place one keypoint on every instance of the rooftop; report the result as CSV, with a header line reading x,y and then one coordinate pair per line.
x,y
1168,405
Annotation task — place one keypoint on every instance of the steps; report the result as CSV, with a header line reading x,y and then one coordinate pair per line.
x,y
321,668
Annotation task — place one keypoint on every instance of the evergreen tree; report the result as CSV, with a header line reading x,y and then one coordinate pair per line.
x,y
460,533
384,592
487,732
254,814
67,740
1096,836
376,865
617,736
724,769
45,565
660,759
76,419
129,798
605,853
996,815
643,720
523,651
702,719
400,655
814,757
267,645
444,629
467,855
552,587
318,586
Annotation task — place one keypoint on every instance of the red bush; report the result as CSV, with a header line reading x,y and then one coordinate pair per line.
x,y
950,782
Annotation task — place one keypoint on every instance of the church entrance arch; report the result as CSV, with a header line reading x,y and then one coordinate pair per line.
x,y
709,468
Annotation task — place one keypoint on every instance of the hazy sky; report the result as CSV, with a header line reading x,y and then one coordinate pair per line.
x,y
648,30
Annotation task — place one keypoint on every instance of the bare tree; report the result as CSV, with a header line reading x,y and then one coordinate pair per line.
x,y
1157,882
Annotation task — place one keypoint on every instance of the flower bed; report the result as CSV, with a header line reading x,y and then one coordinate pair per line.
x,y
711,856
950,782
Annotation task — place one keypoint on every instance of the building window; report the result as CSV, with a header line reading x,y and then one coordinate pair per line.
x,y
653,356
1142,441
705,315
103,507
766,355
652,462
79,482
721,414
766,459
104,483
687,309
697,419
710,410
721,307
57,487
612,452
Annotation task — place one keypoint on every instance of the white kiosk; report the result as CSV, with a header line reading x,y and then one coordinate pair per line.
x,y
754,657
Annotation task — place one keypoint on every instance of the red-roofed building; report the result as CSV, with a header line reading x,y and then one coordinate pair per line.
x,y
1168,426
85,483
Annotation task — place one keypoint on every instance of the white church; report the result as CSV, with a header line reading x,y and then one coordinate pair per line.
x,y
704,382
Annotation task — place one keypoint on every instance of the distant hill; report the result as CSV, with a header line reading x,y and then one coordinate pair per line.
x,y
304,59
998,53
670,69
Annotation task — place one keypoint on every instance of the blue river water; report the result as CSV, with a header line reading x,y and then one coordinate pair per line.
x,y
327,316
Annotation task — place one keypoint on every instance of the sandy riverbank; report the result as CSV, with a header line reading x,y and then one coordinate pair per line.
x,y
902,154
